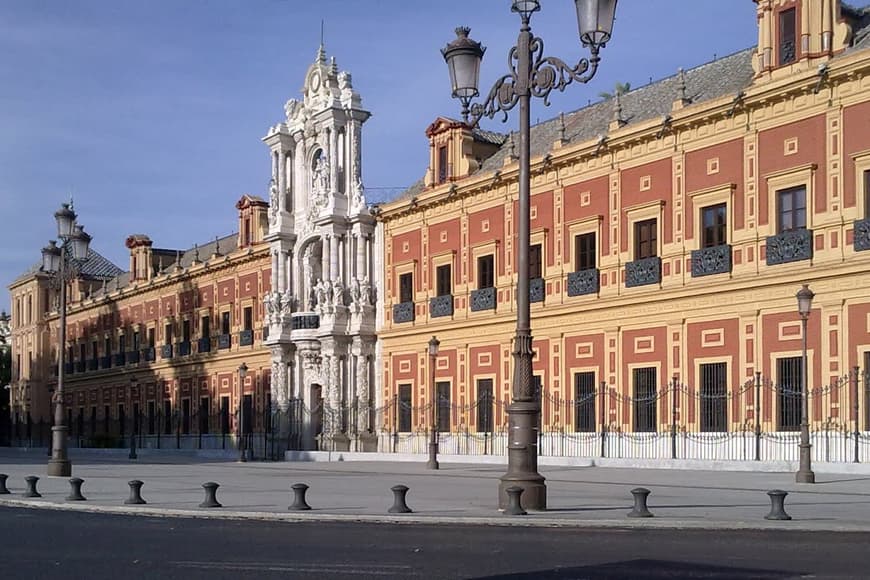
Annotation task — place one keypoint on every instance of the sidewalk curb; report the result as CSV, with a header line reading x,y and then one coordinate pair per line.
x,y
530,521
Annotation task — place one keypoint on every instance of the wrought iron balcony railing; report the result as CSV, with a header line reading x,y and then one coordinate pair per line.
x,y
133,357
536,290
166,351
225,341
862,235
120,359
80,366
714,260
483,299
246,338
150,354
93,364
441,306
643,272
403,312
105,362
790,246
304,321
183,348
583,282
203,344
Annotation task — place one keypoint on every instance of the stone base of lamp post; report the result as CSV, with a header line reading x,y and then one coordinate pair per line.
x,y
59,465
523,459
432,463
805,473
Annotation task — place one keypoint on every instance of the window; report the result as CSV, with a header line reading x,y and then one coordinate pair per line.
x,y
136,418
536,267
107,347
584,402
645,239
167,417
185,416
185,330
203,415
205,326
106,416
714,397
248,410
484,406
485,272
442,408
404,408
645,399
791,209
152,413
225,415
225,322
167,334
248,313
122,344
442,164
867,194
789,373
136,340
122,419
151,338
714,226
82,355
584,252
443,280
787,26
94,350
93,421
406,287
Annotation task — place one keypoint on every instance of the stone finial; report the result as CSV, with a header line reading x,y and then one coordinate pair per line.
x,y
562,138
217,247
617,111
196,254
684,96
513,146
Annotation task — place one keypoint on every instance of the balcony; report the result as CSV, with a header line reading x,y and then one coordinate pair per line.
x,y
166,351
105,362
403,312
80,366
133,357
643,272
183,348
93,364
150,354
120,359
224,341
790,246
304,321
203,345
862,235
536,290
246,338
483,299
583,282
714,260
441,306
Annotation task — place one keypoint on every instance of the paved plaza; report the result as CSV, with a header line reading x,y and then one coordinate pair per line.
x,y
578,496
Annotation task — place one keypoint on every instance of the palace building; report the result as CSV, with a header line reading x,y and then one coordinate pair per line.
x,y
671,229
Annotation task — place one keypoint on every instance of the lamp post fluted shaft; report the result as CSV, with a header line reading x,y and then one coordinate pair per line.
x,y
805,470
432,463
59,465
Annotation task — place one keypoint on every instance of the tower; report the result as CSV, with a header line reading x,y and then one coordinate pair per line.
x,y
320,308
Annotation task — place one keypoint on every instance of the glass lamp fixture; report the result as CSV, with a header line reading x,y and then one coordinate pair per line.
x,y
463,57
595,21
66,219
805,301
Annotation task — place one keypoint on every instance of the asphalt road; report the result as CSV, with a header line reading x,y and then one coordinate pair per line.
x,y
36,543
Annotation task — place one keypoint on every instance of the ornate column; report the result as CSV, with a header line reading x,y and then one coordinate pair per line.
x,y
281,274
281,171
275,260
334,272
333,159
325,255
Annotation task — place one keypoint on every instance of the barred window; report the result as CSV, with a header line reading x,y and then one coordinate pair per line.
x,y
713,394
789,372
404,408
484,406
185,416
584,402
787,36
152,414
442,392
167,417
645,399
225,415
204,415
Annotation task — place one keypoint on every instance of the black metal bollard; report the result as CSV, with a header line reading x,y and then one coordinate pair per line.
x,y
75,490
777,505
299,503
210,501
640,510
3,489
515,506
135,493
399,504
31,486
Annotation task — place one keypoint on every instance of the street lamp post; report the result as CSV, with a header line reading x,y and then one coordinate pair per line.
x,y
433,426
63,262
532,74
134,421
805,469
243,372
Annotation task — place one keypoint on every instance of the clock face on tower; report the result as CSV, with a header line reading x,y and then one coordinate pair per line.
x,y
314,81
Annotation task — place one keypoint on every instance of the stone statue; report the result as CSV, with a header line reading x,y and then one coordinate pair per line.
x,y
338,292
355,293
312,296
327,293
320,293
320,181
366,291
286,306
269,304
291,108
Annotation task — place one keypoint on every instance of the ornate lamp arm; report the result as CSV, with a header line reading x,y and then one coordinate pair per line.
x,y
546,74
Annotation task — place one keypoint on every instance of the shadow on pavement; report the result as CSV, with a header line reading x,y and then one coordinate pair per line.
x,y
647,569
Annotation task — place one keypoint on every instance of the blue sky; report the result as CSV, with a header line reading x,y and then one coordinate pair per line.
x,y
151,113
